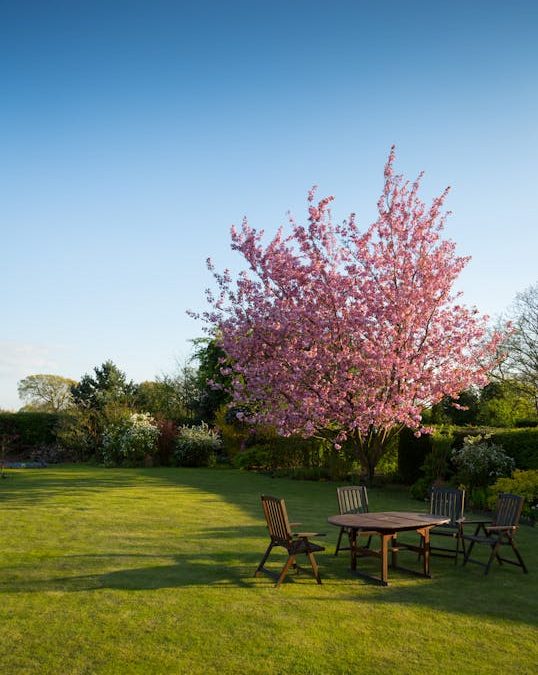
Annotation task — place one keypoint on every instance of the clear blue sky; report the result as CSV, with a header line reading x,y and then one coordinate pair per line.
x,y
133,134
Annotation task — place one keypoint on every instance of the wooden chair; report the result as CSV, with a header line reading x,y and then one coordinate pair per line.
x,y
449,502
352,499
500,532
295,543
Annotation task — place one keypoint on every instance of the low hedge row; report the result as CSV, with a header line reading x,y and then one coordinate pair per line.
x,y
28,429
520,444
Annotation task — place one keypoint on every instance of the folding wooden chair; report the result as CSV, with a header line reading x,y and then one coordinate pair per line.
x,y
449,502
500,532
352,499
295,543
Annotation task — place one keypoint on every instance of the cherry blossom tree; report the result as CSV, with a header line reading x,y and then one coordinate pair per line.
x,y
349,335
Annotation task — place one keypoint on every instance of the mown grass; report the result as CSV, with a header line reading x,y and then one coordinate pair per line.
x,y
150,571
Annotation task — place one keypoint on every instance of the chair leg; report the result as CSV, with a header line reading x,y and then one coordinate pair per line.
x,y
289,562
518,555
494,554
264,559
339,541
467,553
314,564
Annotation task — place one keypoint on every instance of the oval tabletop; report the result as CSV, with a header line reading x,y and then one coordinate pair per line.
x,y
388,521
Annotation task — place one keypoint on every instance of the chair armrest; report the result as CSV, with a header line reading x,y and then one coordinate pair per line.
x,y
501,528
474,521
307,535
295,524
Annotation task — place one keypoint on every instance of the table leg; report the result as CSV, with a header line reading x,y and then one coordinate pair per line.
x,y
385,538
425,534
353,548
394,551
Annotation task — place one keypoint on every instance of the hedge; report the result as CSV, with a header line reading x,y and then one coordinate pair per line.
x,y
28,429
520,444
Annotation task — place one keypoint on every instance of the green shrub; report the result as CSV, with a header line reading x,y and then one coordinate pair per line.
x,y
480,462
421,488
76,432
233,433
520,444
131,441
523,483
256,458
197,446
29,429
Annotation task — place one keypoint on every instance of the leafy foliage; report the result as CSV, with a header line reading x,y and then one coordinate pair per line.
x,y
107,386
130,440
197,445
523,483
29,428
520,365
480,462
46,393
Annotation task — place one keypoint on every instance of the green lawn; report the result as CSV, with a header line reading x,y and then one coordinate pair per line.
x,y
150,571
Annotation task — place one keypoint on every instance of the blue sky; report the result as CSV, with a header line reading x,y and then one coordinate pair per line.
x,y
133,134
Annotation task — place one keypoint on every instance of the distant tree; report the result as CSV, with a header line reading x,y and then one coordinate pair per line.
x,y
47,393
172,396
348,334
504,403
464,412
521,347
107,386
213,386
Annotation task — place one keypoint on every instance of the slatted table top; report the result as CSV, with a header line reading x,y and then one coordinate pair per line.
x,y
388,521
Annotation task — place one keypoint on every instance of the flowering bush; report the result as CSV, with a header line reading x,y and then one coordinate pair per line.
x,y
523,483
197,446
480,463
131,440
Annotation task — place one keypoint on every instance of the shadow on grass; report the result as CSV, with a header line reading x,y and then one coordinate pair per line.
x,y
505,594
186,570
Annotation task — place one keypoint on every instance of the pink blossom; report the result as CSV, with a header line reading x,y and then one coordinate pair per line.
x,y
356,332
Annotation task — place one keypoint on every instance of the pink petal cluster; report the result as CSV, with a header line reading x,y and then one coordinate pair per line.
x,y
334,328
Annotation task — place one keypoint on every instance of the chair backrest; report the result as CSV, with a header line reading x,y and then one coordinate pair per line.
x,y
508,509
449,502
276,516
352,499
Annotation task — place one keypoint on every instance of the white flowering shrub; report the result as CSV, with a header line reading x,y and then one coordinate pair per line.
x,y
131,440
480,463
197,446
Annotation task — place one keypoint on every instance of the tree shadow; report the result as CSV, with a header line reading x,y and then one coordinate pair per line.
x,y
208,570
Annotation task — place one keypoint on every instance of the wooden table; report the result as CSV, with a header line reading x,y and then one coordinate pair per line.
x,y
387,524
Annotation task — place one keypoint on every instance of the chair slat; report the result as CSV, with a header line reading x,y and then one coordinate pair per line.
x,y
352,499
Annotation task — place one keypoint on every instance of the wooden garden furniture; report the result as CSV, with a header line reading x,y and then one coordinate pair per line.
x,y
295,543
497,532
387,525
446,501
351,499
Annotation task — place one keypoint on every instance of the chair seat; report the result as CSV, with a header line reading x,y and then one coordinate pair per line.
x,y
446,530
481,538
300,546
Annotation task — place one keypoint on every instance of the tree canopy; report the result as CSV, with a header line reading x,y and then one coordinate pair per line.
x,y
350,334
47,393
108,385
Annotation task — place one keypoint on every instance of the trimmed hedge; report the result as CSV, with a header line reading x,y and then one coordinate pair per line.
x,y
520,444
30,429
412,452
